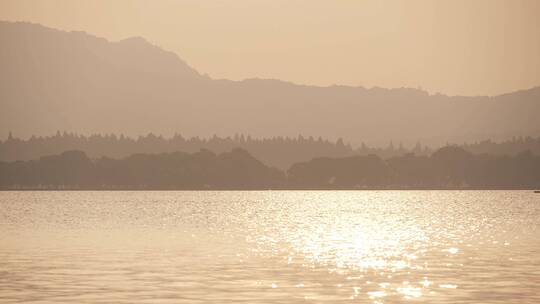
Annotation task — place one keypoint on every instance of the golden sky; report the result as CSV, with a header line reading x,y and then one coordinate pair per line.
x,y
463,47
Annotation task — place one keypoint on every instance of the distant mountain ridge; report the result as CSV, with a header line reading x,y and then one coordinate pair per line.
x,y
55,80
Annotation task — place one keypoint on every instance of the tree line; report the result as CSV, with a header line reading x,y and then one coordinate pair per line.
x,y
280,152
450,167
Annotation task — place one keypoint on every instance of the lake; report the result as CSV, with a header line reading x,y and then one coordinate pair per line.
x,y
270,247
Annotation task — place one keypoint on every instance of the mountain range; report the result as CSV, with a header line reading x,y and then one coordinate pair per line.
x,y
56,80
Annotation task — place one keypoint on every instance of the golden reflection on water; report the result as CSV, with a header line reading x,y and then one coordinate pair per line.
x,y
270,247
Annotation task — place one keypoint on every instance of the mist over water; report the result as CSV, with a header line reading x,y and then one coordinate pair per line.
x,y
270,247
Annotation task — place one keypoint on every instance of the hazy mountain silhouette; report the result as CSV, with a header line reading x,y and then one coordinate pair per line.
x,y
54,80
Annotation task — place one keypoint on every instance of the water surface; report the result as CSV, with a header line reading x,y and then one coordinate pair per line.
x,y
270,247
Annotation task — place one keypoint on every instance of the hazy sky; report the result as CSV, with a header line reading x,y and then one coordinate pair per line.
x,y
461,47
